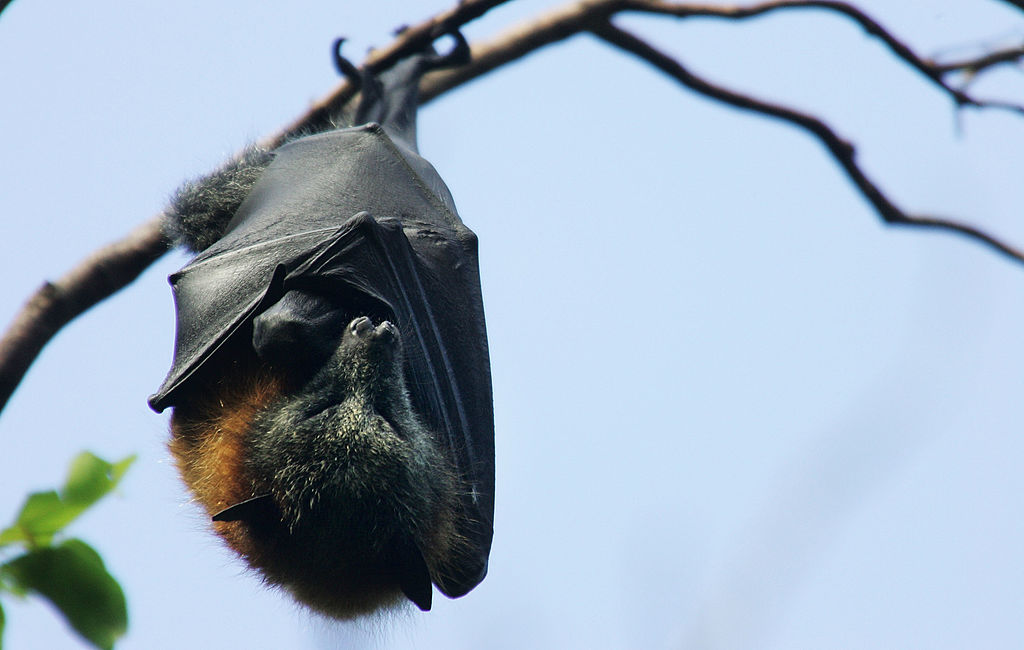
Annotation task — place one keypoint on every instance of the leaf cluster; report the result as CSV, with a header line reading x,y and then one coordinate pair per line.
x,y
66,572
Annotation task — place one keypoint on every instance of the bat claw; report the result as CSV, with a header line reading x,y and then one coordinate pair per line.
x,y
345,67
458,55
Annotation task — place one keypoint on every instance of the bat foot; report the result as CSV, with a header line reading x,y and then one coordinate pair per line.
x,y
345,67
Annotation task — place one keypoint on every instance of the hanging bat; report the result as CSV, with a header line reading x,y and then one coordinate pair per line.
x,y
331,383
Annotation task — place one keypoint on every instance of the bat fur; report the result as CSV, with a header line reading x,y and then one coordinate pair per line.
x,y
347,472
200,209
303,446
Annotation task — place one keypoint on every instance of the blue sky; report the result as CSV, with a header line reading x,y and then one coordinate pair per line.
x,y
732,409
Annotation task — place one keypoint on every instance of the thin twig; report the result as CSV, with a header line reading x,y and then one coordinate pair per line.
x,y
981,63
842,151
899,49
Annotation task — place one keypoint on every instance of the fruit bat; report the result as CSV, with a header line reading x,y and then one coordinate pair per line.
x,y
331,386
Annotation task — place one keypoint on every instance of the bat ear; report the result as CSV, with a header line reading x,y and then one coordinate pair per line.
x,y
413,575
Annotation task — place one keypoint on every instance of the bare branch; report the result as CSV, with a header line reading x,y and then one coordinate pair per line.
x,y
117,265
981,63
900,49
55,304
516,42
842,151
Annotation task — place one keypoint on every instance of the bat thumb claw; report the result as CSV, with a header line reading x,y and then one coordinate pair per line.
x,y
252,510
414,577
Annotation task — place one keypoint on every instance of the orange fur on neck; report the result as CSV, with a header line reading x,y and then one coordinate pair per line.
x,y
208,436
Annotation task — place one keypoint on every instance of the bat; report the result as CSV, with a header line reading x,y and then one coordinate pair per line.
x,y
331,389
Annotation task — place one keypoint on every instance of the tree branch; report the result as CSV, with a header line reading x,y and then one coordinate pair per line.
x,y
118,264
981,63
516,42
899,49
55,304
842,151
408,41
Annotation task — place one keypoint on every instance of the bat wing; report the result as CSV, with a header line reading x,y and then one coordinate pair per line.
x,y
366,221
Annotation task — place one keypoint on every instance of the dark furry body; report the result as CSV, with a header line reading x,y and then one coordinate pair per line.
x,y
362,503
296,432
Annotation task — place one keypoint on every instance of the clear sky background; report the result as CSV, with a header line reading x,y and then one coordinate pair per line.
x,y
732,409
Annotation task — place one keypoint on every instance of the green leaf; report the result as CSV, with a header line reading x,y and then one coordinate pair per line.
x,y
47,513
2,621
71,575
43,514
91,477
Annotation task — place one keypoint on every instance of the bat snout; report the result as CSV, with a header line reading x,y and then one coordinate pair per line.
x,y
363,328
386,331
